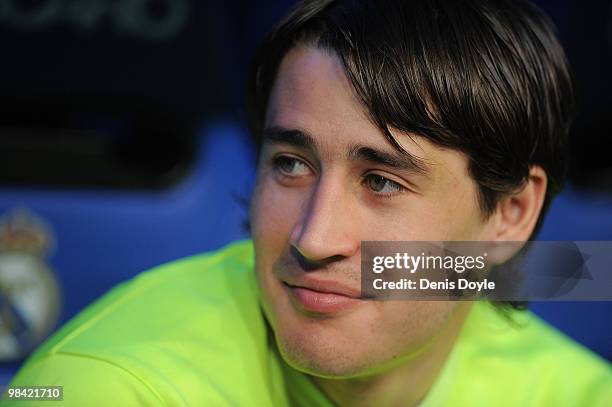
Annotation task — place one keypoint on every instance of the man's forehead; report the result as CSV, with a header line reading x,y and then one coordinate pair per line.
x,y
311,85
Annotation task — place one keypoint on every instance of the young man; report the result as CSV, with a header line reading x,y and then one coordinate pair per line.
x,y
401,120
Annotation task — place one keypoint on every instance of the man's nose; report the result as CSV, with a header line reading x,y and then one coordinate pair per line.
x,y
326,230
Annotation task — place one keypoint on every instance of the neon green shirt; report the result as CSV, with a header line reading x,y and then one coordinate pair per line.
x,y
191,333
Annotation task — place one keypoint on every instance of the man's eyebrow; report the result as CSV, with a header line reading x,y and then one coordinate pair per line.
x,y
400,161
301,139
294,137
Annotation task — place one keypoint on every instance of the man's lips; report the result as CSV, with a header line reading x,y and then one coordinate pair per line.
x,y
324,286
322,297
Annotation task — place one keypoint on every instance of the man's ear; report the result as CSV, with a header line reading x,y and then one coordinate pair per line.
x,y
517,213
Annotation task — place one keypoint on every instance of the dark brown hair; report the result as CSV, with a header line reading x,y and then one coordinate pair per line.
x,y
486,77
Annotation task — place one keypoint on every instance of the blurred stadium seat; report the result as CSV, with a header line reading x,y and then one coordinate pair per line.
x,y
580,215
104,237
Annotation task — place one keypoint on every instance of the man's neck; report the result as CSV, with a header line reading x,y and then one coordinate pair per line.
x,y
404,385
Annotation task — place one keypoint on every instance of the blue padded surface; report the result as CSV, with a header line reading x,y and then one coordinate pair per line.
x,y
104,237
577,215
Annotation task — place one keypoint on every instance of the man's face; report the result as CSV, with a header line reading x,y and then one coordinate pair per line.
x,y
327,180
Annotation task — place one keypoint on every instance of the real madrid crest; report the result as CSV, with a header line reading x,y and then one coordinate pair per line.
x,y
29,293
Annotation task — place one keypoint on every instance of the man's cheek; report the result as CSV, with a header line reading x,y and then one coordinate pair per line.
x,y
279,208
413,323
266,211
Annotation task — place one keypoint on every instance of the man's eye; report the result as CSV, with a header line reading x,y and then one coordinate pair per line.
x,y
291,166
382,186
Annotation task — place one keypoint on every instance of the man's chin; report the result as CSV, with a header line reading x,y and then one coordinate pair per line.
x,y
321,358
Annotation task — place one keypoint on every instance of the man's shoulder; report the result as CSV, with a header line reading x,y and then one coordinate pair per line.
x,y
517,357
152,304
529,341
191,328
